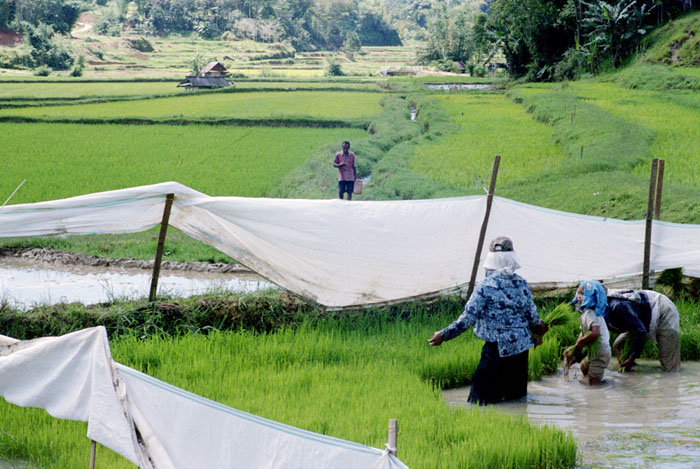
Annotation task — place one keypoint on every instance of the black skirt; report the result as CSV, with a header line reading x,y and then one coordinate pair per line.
x,y
497,378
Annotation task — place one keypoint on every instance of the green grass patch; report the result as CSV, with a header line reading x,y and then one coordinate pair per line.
x,y
231,105
676,43
64,160
489,124
673,117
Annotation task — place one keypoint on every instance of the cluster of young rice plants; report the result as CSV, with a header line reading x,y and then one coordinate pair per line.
x,y
340,378
673,116
64,160
83,90
489,124
337,105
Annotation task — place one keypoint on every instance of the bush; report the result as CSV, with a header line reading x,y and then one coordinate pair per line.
x,y
333,68
42,71
141,44
78,67
47,49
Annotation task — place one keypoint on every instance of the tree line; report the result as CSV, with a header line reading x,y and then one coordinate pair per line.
x,y
547,39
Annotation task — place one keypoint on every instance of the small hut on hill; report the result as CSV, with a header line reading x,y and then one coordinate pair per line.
x,y
214,69
213,75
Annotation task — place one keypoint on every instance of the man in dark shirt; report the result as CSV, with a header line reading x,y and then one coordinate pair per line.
x,y
644,314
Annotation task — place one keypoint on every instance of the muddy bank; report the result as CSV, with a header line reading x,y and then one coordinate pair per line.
x,y
71,258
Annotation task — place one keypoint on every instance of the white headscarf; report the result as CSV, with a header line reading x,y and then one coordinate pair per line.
x,y
506,261
501,256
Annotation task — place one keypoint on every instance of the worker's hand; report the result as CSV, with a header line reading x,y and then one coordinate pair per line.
x,y
628,364
436,339
541,329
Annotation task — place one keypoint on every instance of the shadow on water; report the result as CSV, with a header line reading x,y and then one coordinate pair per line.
x,y
25,283
646,418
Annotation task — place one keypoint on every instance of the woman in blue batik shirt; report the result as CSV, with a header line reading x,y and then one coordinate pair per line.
x,y
503,314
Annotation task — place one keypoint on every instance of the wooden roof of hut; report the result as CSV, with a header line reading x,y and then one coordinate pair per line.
x,y
214,68
195,81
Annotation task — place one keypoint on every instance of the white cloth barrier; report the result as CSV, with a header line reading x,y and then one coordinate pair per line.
x,y
339,254
73,377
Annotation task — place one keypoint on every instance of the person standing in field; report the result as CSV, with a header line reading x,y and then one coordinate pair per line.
x,y
591,302
345,162
503,314
642,315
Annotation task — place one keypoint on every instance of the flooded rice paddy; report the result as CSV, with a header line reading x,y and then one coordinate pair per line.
x,y
645,418
25,283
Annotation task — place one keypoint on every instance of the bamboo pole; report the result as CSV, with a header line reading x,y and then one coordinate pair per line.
x,y
14,192
647,231
484,224
393,430
659,189
93,452
159,250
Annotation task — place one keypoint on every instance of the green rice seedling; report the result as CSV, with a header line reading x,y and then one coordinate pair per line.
x,y
489,124
230,105
215,160
343,377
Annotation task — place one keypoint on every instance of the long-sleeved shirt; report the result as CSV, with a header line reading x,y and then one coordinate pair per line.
x,y
502,311
630,316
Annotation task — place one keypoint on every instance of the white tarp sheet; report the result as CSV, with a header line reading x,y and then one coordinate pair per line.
x,y
73,377
339,253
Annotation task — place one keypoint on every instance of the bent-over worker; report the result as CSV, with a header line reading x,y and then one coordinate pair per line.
x,y
642,315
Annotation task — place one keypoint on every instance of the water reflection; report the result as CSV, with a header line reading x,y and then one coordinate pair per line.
x,y
458,86
25,284
646,418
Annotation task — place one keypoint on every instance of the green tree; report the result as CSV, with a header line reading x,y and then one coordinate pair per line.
x,y
352,42
47,49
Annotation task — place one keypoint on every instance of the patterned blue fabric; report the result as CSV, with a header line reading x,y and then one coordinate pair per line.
x,y
594,297
501,310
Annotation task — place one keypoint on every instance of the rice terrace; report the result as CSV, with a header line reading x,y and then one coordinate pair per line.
x,y
121,158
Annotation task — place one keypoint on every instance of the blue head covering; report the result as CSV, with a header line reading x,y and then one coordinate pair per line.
x,y
594,297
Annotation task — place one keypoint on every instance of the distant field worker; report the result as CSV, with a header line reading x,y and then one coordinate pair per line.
x,y
591,302
345,162
503,314
645,314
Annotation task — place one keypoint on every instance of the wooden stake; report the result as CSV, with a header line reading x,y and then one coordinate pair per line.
x,y
159,250
647,232
484,224
659,188
93,451
14,192
393,430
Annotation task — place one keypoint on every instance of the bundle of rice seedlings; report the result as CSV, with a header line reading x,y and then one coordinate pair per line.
x,y
559,316
572,355
562,315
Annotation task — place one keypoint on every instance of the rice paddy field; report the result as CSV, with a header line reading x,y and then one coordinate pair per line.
x,y
583,147
64,160
362,370
465,158
268,105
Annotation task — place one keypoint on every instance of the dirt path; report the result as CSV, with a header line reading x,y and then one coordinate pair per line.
x,y
71,258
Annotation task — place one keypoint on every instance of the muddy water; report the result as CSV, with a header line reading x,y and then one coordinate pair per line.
x,y
646,418
25,283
